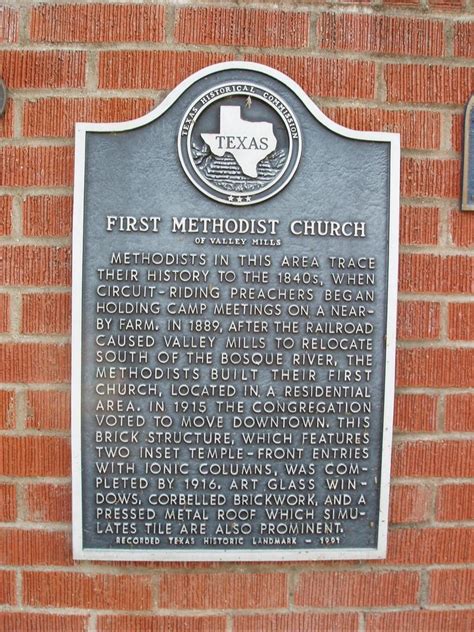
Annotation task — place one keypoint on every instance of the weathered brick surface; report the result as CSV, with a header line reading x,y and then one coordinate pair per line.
x,y
409,503
436,274
464,39
421,621
224,591
431,83
46,313
325,77
459,413
35,265
34,456
381,34
242,27
418,320
37,547
455,502
4,312
9,21
43,69
451,586
415,412
97,23
160,70
36,166
6,121
34,362
461,321
77,590
8,504
48,410
48,503
419,225
435,367
5,215
430,546
462,229
160,623
47,215
296,621
53,117
7,409
329,590
40,622
427,458
7,587
430,178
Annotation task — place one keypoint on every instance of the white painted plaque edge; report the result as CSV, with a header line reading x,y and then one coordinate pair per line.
x,y
225,555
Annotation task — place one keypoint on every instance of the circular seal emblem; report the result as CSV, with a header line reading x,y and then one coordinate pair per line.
x,y
239,143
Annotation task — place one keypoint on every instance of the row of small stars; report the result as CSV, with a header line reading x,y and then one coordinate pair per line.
x,y
239,198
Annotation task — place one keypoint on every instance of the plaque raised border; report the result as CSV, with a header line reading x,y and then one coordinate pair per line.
x,y
210,554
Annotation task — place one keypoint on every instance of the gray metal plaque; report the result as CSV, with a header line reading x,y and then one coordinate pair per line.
x,y
235,271
467,203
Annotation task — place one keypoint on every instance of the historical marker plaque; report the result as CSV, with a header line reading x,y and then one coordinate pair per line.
x,y
235,268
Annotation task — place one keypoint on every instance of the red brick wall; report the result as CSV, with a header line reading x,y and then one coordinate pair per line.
x,y
397,65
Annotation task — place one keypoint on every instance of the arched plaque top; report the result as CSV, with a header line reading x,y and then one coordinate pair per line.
x,y
215,69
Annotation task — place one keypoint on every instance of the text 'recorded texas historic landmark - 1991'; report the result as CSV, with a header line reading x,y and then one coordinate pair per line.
x,y
235,270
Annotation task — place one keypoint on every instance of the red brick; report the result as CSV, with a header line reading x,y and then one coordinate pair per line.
x,y
461,321
430,178
464,39
34,362
457,128
296,621
34,456
7,585
47,216
447,586
35,265
442,458
223,591
242,27
39,622
418,129
5,215
430,546
7,502
77,590
6,121
409,504
56,116
419,225
415,413
418,320
455,502
48,503
421,621
9,19
462,229
446,5
380,34
7,410
160,623
97,23
402,3
34,547
348,589
48,410
36,166
325,77
435,367
46,313
436,274
43,69
459,413
156,70
428,83
4,313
